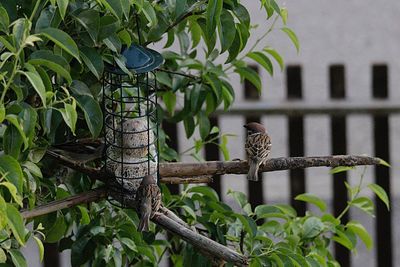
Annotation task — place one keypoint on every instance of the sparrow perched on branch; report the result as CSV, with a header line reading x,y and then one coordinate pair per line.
x,y
148,197
258,147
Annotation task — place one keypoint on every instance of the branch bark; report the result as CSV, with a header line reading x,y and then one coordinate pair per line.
x,y
274,164
181,173
82,198
207,246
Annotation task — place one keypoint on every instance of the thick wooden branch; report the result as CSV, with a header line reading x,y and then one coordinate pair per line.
x,y
189,180
82,198
204,244
273,164
181,173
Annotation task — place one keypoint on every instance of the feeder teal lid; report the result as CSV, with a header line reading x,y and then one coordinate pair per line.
x,y
140,59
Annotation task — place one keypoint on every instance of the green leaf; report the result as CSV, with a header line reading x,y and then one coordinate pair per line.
x,y
85,218
4,20
90,20
17,258
114,6
169,100
292,37
312,227
7,44
15,121
239,197
3,256
129,243
276,56
149,13
313,200
2,112
189,211
28,117
93,113
384,163
204,190
263,60
14,173
37,83
57,231
63,40
213,13
227,30
33,168
13,192
52,65
3,213
62,7
69,115
250,75
341,169
242,14
359,230
40,247
16,224
381,193
343,239
12,141
284,15
204,125
93,61
365,204
189,125
45,78
80,88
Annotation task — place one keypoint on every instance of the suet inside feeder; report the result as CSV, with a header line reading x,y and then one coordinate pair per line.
x,y
130,121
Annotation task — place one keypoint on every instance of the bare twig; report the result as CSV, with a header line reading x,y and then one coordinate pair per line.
x,y
208,247
82,198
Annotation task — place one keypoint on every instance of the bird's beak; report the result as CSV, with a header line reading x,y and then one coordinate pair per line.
x,y
245,126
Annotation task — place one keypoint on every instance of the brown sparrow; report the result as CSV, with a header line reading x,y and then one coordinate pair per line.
x,y
258,147
148,197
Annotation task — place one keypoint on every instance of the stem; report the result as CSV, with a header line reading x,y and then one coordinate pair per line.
x,y
13,73
35,9
346,209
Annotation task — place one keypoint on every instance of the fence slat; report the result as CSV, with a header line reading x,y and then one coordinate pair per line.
x,y
296,138
382,177
338,133
255,189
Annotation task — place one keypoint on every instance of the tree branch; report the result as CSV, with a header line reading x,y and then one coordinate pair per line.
x,y
190,180
207,246
82,198
173,169
183,17
178,172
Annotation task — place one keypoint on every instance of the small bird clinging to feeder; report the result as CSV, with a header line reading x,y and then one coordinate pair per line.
x,y
148,198
258,147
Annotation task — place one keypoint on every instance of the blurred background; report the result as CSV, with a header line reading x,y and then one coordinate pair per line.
x,y
339,95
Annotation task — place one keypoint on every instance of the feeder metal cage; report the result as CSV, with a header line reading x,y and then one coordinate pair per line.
x,y
130,122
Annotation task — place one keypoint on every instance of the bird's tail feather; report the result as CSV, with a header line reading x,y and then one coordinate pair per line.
x,y
144,223
252,175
